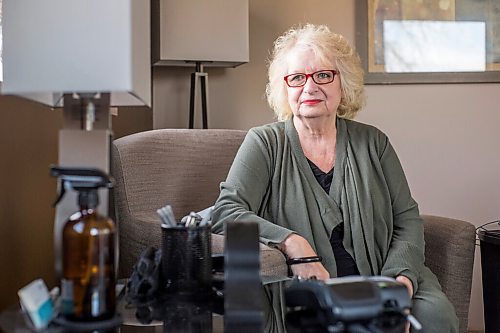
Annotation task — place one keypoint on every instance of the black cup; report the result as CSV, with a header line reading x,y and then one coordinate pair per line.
x,y
186,261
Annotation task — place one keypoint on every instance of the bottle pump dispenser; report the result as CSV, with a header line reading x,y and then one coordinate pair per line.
x,y
88,245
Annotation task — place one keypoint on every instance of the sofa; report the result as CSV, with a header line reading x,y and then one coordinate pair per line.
x,y
184,168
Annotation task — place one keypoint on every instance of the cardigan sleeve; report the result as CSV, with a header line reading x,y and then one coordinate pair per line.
x,y
406,251
244,193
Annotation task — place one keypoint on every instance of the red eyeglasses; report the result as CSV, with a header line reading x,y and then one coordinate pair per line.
x,y
320,77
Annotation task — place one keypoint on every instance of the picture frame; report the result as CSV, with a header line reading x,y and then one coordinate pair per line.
x,y
373,15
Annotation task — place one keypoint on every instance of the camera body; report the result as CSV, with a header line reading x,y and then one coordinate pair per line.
x,y
342,304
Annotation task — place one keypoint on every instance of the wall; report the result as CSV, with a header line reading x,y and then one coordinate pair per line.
x,y
28,145
447,139
446,135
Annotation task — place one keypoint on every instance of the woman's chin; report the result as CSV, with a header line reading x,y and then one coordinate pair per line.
x,y
309,113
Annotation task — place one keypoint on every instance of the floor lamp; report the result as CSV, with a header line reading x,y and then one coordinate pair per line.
x,y
200,33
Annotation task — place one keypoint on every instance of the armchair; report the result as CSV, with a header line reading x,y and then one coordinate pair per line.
x,y
184,169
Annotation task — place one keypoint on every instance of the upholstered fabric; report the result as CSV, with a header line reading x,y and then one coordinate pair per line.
x,y
449,253
184,168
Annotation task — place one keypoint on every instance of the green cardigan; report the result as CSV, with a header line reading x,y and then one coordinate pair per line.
x,y
271,182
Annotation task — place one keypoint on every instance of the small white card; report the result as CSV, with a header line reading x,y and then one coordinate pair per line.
x,y
36,301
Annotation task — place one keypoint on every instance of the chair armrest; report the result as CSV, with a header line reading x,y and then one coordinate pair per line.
x,y
272,261
449,253
139,232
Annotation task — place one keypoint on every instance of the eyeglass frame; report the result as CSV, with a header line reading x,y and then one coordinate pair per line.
x,y
311,75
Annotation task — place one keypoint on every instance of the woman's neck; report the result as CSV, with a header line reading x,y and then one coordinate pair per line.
x,y
318,139
316,127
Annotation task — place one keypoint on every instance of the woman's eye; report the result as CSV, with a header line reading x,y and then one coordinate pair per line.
x,y
297,77
324,75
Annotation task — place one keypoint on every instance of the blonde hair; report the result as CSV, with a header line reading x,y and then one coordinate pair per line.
x,y
330,48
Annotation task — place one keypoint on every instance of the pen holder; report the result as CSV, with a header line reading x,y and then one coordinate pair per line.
x,y
187,261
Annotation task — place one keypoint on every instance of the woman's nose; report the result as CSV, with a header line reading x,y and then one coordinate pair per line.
x,y
310,85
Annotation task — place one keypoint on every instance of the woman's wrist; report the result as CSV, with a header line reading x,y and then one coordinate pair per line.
x,y
288,243
295,246
407,282
303,260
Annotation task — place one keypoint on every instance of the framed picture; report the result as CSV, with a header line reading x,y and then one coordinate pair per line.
x,y
429,41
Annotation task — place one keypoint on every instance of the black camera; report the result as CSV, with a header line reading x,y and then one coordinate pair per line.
x,y
349,304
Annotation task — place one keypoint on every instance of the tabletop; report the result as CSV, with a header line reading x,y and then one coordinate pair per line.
x,y
187,319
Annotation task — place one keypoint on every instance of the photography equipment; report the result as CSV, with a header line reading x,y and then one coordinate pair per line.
x,y
489,237
243,310
182,284
144,283
146,291
348,304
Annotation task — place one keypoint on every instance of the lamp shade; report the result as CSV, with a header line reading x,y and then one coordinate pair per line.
x,y
213,32
52,47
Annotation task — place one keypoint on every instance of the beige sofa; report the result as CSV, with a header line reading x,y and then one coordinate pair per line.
x,y
184,168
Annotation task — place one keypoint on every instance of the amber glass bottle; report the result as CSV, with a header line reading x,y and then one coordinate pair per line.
x,y
88,281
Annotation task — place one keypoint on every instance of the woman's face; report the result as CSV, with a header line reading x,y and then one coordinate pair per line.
x,y
311,100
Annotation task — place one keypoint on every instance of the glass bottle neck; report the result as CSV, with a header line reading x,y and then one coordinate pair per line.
x,y
88,199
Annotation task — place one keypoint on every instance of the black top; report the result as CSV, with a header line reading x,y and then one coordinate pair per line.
x,y
345,263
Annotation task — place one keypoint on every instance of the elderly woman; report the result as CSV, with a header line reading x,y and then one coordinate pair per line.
x,y
322,186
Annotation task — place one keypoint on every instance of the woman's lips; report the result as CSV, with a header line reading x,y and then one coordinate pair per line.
x,y
311,101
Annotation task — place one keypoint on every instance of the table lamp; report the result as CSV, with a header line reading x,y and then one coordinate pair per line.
x,y
84,56
199,34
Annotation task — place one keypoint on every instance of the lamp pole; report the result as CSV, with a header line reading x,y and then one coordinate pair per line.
x,y
84,141
198,78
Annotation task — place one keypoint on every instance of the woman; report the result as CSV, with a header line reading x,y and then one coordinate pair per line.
x,y
321,185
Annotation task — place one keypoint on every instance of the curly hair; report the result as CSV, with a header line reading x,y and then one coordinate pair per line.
x,y
330,48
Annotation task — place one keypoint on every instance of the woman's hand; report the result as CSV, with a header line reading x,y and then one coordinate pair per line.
x,y
407,282
295,246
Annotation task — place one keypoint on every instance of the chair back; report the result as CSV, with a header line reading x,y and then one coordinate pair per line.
x,y
180,167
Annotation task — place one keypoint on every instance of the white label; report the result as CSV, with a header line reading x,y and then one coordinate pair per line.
x,y
34,295
36,301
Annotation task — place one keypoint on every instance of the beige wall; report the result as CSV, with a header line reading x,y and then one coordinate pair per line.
x,y
446,135
447,138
